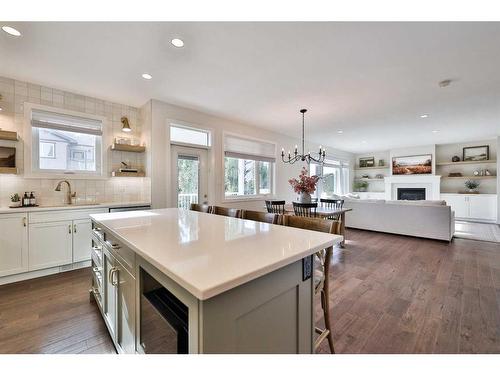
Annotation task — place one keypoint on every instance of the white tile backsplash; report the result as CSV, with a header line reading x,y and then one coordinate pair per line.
x,y
112,189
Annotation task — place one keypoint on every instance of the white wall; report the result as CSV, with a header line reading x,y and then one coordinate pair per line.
x,y
161,173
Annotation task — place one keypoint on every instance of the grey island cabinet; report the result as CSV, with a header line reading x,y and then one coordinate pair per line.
x,y
178,281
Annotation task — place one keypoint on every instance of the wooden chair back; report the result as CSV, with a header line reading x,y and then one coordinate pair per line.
x,y
275,207
263,217
200,207
224,211
332,204
305,209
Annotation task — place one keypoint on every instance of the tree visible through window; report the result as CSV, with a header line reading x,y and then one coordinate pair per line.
x,y
246,177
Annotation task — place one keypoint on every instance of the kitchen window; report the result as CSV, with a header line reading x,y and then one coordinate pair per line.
x,y
334,178
248,167
63,143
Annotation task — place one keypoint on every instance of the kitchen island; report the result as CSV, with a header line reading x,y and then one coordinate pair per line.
x,y
179,281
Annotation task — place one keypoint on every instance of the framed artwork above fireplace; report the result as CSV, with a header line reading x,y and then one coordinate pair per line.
x,y
414,164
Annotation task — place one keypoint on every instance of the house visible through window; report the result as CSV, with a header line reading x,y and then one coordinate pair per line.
x,y
64,143
47,150
248,167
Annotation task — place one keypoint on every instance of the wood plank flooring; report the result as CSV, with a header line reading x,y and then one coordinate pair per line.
x,y
395,294
390,294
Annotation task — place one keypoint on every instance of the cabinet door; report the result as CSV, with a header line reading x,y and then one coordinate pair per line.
x,y
13,244
459,204
82,240
110,292
483,207
50,244
126,310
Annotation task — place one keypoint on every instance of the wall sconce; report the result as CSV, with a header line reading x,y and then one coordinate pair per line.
x,y
126,126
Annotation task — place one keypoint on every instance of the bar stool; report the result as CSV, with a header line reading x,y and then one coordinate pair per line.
x,y
200,207
224,211
262,217
322,285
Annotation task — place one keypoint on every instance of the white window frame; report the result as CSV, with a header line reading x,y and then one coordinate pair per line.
x,y
182,124
253,197
334,163
31,147
53,148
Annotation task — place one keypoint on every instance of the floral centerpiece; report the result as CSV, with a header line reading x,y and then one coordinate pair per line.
x,y
305,185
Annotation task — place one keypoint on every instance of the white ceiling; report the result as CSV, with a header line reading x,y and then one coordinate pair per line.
x,y
372,80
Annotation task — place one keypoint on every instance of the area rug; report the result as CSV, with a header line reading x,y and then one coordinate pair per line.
x,y
477,231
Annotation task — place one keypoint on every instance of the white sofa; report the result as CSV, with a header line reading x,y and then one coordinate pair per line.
x,y
428,219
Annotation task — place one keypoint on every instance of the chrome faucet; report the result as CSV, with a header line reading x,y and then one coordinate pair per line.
x,y
70,194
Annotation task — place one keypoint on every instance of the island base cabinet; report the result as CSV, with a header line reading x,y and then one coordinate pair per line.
x,y
272,314
13,244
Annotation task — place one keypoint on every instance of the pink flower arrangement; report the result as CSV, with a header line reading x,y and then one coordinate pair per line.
x,y
305,184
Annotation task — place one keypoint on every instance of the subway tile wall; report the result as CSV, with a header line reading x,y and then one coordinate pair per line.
x,y
111,189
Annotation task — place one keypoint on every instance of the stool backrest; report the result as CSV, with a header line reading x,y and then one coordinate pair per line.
x,y
200,207
263,217
224,211
275,207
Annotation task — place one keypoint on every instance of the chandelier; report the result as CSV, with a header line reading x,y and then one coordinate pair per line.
x,y
308,158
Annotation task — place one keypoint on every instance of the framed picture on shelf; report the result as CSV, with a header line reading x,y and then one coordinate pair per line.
x,y
476,153
366,162
415,164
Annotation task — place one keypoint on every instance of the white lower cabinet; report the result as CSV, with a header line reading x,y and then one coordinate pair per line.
x,y
481,207
13,244
50,244
82,243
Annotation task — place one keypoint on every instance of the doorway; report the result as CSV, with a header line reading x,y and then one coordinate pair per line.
x,y
190,184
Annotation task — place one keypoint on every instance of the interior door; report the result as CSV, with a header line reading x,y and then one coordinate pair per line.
x,y
190,184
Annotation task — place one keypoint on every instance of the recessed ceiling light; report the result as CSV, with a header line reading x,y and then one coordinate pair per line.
x,y
425,115
177,42
435,131
147,76
340,131
11,31
363,141
1,109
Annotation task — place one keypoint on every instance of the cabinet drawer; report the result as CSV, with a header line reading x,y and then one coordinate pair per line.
x,y
76,214
124,255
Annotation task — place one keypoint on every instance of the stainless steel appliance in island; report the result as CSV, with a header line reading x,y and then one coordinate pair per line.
x,y
179,281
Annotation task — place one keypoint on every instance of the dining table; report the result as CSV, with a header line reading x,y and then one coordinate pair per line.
x,y
325,213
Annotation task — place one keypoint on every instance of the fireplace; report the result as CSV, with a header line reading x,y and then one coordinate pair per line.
x,y
411,194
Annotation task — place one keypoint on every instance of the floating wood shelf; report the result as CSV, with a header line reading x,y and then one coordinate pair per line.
x,y
468,177
466,162
376,167
128,174
127,148
8,135
8,170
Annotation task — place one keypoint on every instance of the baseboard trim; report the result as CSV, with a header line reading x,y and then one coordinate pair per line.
x,y
45,272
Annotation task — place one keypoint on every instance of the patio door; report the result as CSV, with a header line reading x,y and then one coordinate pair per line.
x,y
190,184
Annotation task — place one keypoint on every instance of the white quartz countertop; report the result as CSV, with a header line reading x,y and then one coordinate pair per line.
x,y
8,210
210,254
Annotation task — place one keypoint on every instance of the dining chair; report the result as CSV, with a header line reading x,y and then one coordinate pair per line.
x,y
263,217
275,207
305,209
224,211
200,207
322,277
332,204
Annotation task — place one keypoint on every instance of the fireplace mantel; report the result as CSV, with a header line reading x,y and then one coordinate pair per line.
x,y
431,183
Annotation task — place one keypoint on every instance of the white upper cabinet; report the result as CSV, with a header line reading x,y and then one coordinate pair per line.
x,y
13,244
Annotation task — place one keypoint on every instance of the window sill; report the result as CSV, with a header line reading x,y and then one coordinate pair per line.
x,y
252,198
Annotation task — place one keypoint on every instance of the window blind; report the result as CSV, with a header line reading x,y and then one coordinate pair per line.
x,y
244,148
59,121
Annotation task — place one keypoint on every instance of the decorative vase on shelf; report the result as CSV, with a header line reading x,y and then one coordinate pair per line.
x,y
304,198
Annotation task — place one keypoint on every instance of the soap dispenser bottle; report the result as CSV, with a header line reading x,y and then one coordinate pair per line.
x,y
32,199
26,200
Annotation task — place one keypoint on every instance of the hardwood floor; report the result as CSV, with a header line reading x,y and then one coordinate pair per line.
x,y
395,294
390,294
52,315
